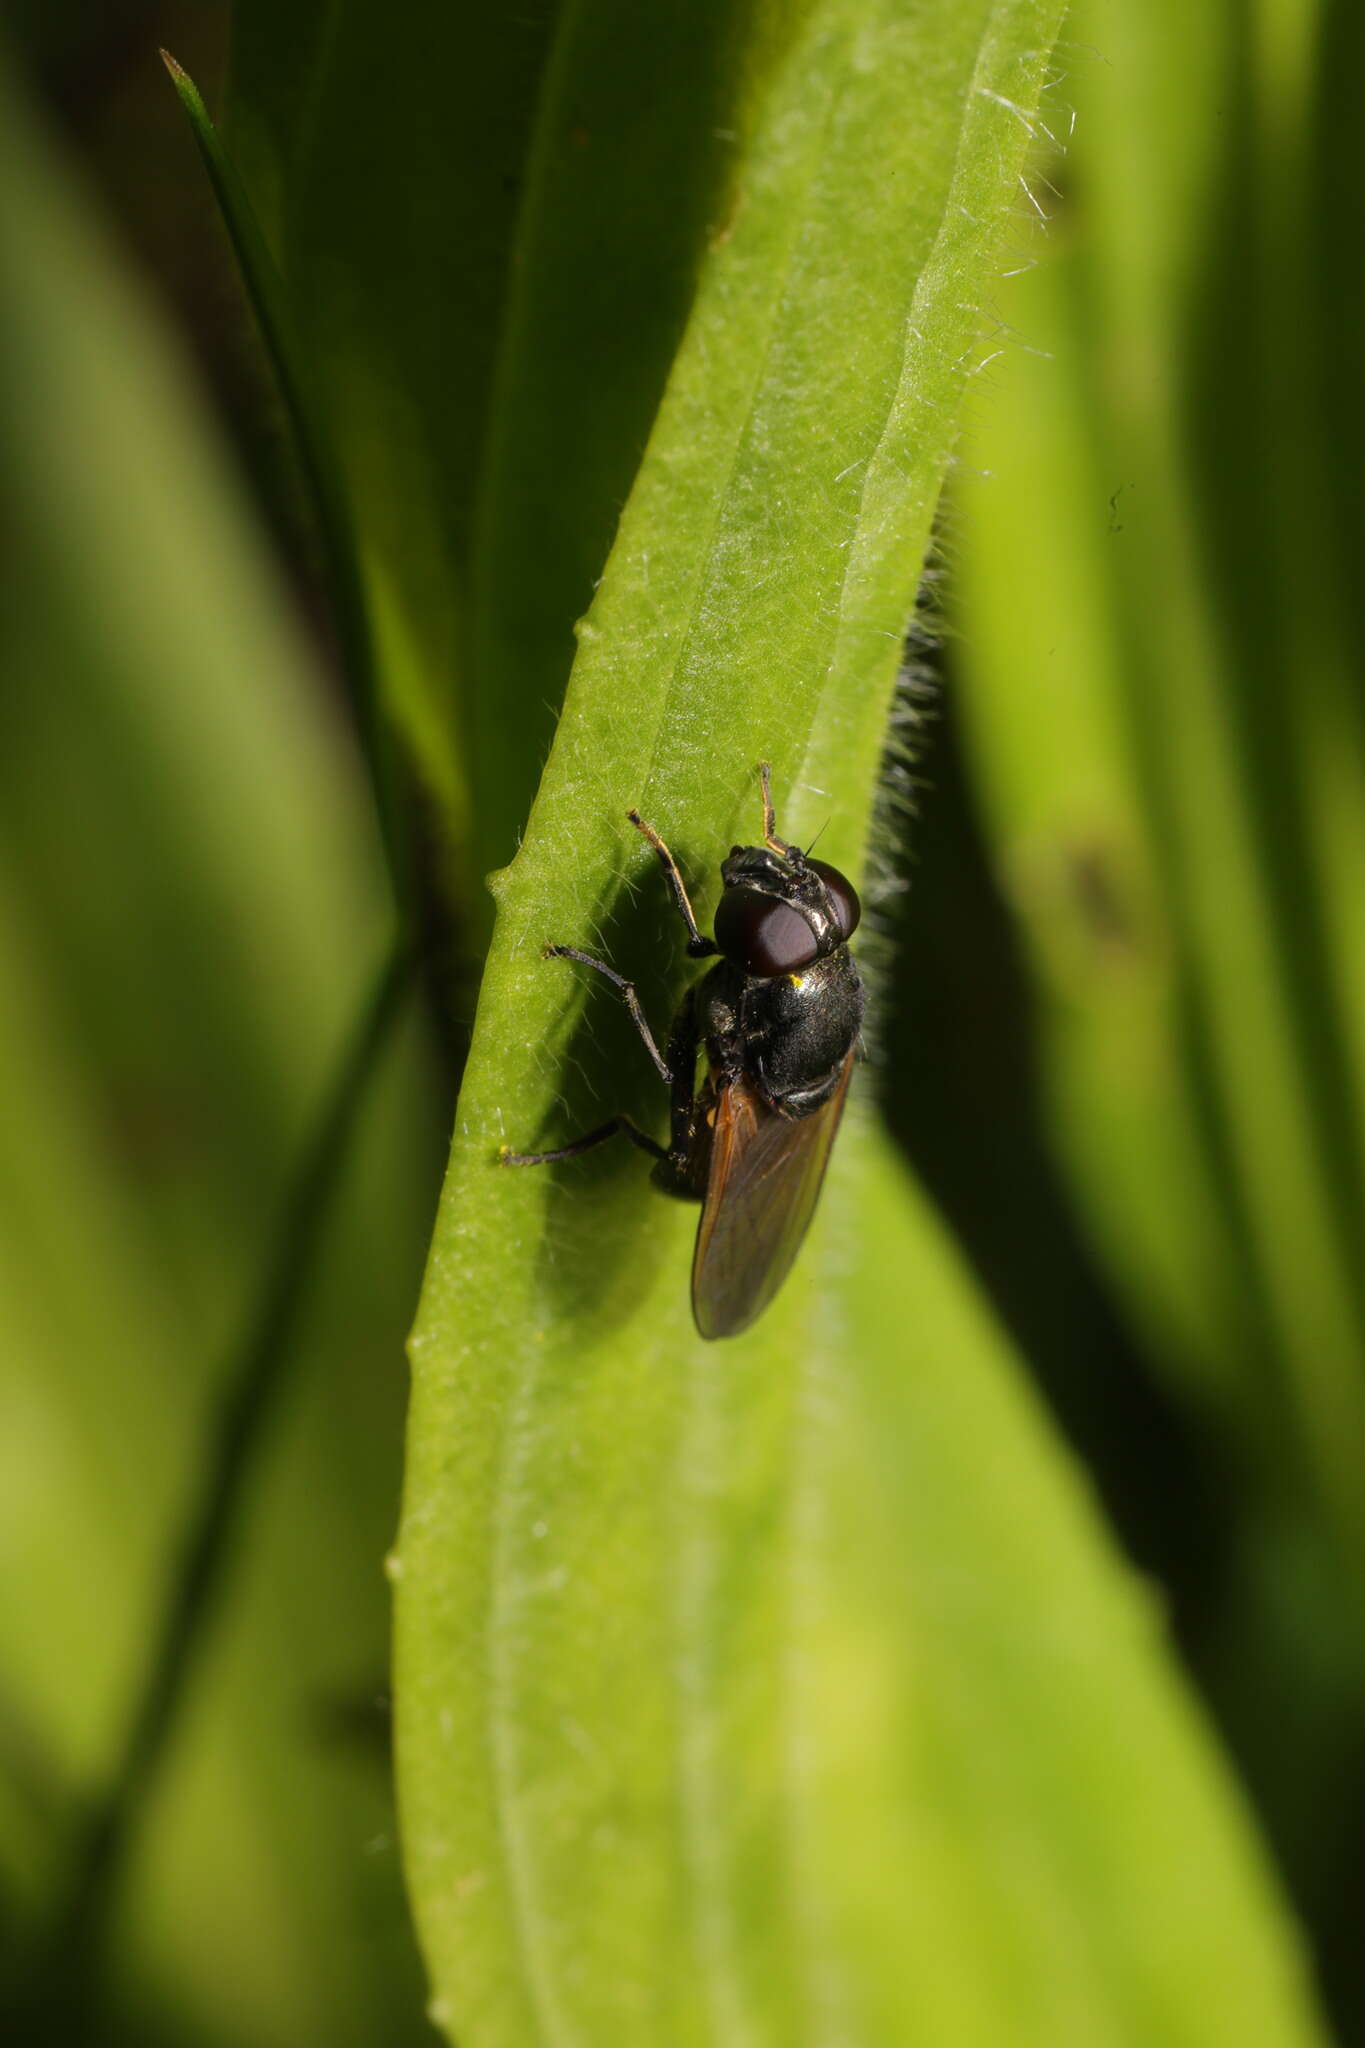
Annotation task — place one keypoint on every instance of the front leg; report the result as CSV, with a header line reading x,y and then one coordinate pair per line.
x,y
697,946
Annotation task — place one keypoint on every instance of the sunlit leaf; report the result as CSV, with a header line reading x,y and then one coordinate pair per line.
x,y
778,1688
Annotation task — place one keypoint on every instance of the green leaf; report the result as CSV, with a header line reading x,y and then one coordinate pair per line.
x,y
385,161
191,905
635,168
779,1688
493,295
786,1687
1177,796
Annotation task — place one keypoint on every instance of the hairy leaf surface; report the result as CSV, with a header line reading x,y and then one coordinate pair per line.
x,y
779,1689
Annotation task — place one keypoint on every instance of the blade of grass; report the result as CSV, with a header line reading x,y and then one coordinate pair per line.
x,y
345,584
253,1384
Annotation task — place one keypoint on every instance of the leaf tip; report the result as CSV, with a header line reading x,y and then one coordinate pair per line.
x,y
190,96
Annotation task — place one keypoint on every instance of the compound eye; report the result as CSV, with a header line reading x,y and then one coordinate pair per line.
x,y
762,934
842,895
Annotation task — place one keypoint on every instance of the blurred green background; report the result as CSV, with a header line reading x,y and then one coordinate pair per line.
x,y
1123,1016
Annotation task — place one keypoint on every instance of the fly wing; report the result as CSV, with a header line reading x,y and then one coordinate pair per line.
x,y
764,1182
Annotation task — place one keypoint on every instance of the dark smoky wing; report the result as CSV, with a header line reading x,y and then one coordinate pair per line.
x,y
765,1178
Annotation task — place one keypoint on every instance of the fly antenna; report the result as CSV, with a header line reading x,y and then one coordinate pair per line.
x,y
770,838
765,776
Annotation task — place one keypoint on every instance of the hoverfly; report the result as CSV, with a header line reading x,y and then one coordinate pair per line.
x,y
778,1016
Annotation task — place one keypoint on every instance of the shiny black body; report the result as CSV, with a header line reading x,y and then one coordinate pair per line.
x,y
778,1017
790,1035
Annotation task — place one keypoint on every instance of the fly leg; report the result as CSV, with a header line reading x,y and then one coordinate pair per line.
x,y
699,948
620,1122
682,1169
628,996
585,1144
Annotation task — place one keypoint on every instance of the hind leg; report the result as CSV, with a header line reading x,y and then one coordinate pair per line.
x,y
599,1136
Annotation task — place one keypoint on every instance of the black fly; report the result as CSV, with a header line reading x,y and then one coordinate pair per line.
x,y
779,1016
